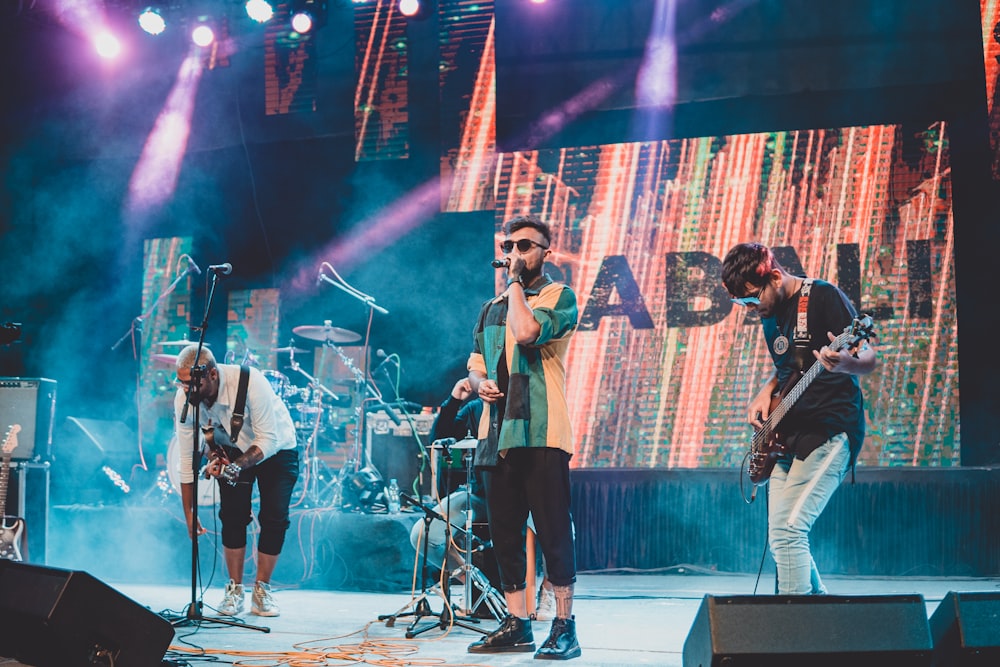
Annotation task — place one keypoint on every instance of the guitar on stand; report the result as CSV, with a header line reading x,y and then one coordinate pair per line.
x,y
11,527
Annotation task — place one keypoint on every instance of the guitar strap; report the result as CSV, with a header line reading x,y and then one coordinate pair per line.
x,y
802,325
236,422
802,316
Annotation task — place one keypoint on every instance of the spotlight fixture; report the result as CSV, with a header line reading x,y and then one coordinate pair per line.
x,y
260,11
307,15
107,45
365,488
203,35
151,21
414,9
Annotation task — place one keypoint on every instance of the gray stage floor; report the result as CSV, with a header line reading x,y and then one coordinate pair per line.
x,y
622,619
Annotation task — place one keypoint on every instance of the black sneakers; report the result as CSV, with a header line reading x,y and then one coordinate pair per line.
x,y
513,636
562,643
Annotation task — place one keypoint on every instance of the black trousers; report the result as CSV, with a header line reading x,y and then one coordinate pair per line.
x,y
531,480
275,477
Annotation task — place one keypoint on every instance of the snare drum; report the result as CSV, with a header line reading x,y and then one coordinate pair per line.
x,y
208,489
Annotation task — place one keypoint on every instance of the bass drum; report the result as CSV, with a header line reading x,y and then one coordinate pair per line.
x,y
208,489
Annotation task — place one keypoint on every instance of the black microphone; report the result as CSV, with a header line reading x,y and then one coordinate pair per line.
x,y
445,444
500,263
192,267
221,269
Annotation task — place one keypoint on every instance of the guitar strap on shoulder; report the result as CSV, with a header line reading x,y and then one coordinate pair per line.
x,y
802,316
236,422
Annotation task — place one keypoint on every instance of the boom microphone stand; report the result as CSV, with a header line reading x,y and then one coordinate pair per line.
x,y
193,614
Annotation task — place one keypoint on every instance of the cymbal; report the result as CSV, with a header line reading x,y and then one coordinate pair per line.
x,y
164,359
324,334
180,343
296,350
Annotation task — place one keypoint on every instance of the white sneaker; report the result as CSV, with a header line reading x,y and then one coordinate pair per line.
x,y
261,602
545,610
232,603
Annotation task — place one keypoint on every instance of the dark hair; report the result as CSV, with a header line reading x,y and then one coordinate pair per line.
x,y
532,221
747,263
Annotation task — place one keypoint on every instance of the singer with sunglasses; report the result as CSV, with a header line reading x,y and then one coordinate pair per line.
x,y
823,431
517,367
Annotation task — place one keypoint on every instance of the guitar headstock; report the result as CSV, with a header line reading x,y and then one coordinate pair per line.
x,y
860,329
10,440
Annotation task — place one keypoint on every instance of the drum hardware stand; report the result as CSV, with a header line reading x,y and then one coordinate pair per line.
x,y
354,463
317,466
193,613
471,575
420,604
494,601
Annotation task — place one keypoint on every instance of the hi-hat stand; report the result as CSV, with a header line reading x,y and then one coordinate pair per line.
x,y
319,489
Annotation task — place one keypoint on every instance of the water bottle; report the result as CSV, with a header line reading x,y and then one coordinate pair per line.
x,y
392,497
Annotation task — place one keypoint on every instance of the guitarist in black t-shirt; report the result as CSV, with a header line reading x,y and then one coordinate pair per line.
x,y
809,415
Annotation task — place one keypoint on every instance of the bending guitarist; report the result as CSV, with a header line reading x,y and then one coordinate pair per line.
x,y
820,436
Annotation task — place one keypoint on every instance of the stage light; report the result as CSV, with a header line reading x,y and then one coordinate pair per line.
x,y
307,15
260,11
107,45
365,488
202,35
415,9
151,21
302,22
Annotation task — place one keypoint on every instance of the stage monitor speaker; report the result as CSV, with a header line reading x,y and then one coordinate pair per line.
x,y
31,404
393,450
814,630
966,630
63,618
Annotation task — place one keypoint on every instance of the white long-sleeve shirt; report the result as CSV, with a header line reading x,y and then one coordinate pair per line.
x,y
266,421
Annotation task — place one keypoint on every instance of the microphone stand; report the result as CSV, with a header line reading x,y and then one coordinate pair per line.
x,y
135,329
193,613
354,463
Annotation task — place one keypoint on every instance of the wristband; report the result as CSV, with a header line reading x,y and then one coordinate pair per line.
x,y
231,473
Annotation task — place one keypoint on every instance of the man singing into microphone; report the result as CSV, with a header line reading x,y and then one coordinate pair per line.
x,y
264,452
517,367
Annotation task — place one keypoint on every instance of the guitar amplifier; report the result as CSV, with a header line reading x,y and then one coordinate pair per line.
x,y
31,404
395,452
28,498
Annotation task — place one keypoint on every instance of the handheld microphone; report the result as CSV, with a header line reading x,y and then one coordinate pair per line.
x,y
192,267
221,269
500,263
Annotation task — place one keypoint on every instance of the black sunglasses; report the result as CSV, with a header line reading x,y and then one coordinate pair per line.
x,y
523,245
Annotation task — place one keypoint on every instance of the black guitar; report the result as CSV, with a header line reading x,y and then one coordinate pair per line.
x,y
766,446
11,527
